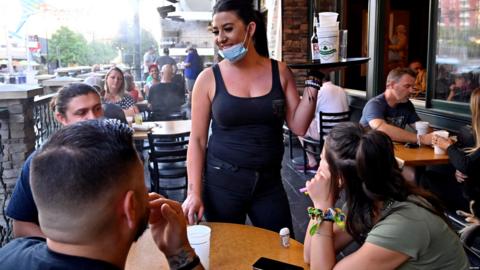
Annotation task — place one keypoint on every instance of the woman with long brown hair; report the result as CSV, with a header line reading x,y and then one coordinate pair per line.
x,y
466,160
398,226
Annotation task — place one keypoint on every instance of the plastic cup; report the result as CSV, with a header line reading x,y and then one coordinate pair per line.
x,y
441,133
138,119
327,18
129,120
199,238
422,127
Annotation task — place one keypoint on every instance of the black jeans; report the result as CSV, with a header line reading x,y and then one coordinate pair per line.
x,y
231,193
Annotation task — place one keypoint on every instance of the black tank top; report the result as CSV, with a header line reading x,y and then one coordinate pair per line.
x,y
247,132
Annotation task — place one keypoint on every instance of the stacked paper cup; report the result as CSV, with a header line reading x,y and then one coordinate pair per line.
x,y
327,32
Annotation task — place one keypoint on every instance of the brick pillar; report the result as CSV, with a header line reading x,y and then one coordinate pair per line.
x,y
18,140
295,36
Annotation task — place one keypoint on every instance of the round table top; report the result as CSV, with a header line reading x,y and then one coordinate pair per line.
x,y
232,246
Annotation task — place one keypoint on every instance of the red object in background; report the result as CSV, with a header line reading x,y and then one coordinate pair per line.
x,y
33,43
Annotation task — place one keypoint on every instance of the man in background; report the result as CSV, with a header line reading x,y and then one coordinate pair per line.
x,y
391,111
166,59
149,58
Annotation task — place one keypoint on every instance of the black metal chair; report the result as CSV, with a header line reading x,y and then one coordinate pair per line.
x,y
326,122
167,160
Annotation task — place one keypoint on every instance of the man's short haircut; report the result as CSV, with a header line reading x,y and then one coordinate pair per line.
x,y
397,73
67,93
77,174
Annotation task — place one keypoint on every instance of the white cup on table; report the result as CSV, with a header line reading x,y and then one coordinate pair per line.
x,y
422,127
436,149
129,120
199,238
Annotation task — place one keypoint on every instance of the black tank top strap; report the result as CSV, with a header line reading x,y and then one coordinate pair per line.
x,y
219,83
276,83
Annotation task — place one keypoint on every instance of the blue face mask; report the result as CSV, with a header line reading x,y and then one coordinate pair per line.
x,y
235,52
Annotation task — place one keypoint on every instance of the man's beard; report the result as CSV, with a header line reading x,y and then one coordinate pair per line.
x,y
142,226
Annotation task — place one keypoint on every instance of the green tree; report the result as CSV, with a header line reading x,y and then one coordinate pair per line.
x,y
100,53
125,41
68,47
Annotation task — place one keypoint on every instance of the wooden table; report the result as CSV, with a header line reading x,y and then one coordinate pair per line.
x,y
421,156
232,246
165,128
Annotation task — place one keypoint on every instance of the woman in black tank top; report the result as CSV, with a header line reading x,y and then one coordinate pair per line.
x,y
247,97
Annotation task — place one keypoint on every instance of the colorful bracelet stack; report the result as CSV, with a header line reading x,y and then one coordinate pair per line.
x,y
331,215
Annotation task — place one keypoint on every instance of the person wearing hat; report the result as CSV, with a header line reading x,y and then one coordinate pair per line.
x,y
97,83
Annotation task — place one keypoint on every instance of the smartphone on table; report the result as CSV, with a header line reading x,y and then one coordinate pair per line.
x,y
271,264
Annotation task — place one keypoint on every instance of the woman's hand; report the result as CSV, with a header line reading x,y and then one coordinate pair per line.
x,y
460,176
321,189
193,208
441,142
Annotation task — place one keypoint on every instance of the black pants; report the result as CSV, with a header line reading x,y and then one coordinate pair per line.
x,y
230,193
440,180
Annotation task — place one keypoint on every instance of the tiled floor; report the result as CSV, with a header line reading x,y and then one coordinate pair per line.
x,y
292,180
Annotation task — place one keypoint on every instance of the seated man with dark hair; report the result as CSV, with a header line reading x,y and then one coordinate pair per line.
x,y
88,184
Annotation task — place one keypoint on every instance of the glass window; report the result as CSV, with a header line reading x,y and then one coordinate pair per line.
x,y
458,51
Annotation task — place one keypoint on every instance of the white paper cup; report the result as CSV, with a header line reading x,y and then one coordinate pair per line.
x,y
327,18
422,127
199,238
129,120
441,133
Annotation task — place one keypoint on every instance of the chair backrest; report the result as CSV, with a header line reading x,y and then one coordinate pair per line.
x,y
328,120
168,148
167,158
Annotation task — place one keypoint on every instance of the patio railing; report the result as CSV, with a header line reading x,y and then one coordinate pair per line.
x,y
44,125
44,120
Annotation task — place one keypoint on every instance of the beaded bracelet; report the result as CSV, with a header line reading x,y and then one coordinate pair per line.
x,y
332,215
313,83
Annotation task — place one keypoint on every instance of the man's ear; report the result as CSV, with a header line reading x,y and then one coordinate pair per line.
x,y
61,118
129,205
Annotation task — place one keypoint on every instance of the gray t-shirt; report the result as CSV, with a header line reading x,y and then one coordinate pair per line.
x,y
400,116
420,234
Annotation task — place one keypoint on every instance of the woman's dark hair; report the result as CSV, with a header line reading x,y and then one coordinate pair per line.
x,y
365,164
245,11
60,102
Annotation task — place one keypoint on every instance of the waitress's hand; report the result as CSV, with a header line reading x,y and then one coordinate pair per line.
x,y
321,189
193,208
460,176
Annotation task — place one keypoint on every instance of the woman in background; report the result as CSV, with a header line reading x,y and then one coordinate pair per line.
x,y
466,161
132,88
115,92
396,224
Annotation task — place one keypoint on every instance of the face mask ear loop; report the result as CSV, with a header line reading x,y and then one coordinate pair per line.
x,y
245,39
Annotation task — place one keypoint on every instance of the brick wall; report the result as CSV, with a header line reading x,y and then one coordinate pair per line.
x,y
295,36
